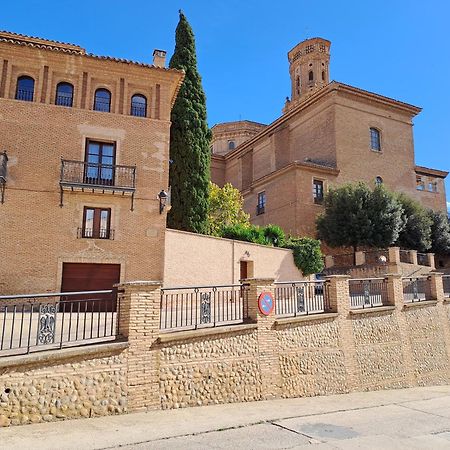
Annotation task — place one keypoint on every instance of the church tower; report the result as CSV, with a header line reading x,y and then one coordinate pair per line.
x,y
308,67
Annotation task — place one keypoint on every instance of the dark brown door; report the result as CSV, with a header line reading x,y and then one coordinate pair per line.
x,y
90,277
244,272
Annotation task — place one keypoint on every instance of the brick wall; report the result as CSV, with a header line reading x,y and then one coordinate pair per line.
x,y
37,235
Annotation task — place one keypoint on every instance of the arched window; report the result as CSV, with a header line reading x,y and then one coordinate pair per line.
x,y
378,181
102,101
25,89
138,105
64,94
323,75
375,143
231,145
311,75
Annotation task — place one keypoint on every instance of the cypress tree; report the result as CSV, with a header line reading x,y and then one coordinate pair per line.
x,y
189,172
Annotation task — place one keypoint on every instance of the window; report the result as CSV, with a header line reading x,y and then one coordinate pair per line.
x,y
375,143
25,89
432,186
64,94
138,105
318,191
311,75
420,185
309,48
323,75
298,85
231,145
102,101
260,207
378,181
96,223
100,159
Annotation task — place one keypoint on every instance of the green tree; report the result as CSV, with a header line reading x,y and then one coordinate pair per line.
x,y
440,232
356,216
189,172
416,234
386,216
225,209
307,254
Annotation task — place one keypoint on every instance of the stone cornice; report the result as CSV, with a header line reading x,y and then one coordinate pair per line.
x,y
294,165
428,171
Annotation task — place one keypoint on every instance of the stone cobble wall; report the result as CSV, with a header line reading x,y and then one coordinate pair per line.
x,y
311,361
216,369
71,389
428,347
379,351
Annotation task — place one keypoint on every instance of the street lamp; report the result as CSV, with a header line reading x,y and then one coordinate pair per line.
x,y
163,196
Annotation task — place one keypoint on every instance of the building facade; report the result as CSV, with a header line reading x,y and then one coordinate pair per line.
x,y
329,133
84,144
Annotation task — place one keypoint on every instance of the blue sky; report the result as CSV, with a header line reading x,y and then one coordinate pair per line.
x,y
396,48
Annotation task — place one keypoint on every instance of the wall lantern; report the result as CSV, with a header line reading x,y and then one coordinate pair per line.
x,y
163,196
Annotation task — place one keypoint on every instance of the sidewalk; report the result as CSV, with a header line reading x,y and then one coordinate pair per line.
x,y
406,418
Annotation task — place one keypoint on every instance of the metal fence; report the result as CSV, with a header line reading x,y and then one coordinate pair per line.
x,y
416,289
203,306
30,323
295,298
405,256
446,283
368,292
422,259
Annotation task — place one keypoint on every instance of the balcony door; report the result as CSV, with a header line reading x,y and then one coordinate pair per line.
x,y
100,160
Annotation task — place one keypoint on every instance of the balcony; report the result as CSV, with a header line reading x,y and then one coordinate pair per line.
x,y
3,172
89,233
81,176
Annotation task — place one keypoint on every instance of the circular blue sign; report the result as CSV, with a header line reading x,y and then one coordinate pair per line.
x,y
266,303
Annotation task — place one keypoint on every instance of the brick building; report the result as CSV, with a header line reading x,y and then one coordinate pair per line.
x,y
329,133
84,144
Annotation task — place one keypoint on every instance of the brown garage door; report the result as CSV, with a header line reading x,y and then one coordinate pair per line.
x,y
78,277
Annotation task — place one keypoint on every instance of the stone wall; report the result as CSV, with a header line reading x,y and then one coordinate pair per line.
x,y
311,361
394,345
66,386
215,369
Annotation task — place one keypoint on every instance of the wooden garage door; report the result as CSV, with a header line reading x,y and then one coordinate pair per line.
x,y
78,277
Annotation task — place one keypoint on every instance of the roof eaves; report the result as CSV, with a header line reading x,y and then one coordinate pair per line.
x,y
338,86
429,171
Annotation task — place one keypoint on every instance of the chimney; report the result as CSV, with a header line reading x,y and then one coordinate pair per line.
x,y
159,58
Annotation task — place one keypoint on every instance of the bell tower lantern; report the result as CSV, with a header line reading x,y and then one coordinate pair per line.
x,y
309,66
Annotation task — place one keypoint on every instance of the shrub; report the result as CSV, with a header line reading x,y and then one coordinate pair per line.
x,y
274,235
307,254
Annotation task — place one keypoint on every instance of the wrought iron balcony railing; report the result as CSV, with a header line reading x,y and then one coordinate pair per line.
x,y
89,233
87,176
25,95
